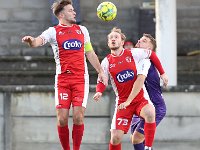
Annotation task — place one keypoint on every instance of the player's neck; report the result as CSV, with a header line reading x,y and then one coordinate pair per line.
x,y
117,52
65,23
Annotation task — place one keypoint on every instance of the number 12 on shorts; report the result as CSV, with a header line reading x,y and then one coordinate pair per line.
x,y
63,96
122,121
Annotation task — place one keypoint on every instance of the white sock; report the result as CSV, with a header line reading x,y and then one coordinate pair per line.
x,y
148,148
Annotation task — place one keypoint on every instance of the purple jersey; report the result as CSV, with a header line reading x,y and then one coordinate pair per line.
x,y
152,84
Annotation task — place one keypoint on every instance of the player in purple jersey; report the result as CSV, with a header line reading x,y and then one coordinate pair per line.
x,y
152,84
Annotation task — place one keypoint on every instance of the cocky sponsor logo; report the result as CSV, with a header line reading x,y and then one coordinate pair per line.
x,y
125,76
72,44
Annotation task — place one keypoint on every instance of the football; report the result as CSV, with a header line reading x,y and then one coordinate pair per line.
x,y
106,11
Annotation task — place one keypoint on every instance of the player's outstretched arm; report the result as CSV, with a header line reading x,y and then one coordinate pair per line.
x,y
32,42
139,53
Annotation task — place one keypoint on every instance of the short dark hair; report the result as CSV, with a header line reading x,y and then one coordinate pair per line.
x,y
58,6
153,41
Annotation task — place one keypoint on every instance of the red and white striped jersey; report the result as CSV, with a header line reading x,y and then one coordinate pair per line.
x,y
68,44
123,71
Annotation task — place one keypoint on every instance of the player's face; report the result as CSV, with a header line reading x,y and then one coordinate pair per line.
x,y
68,14
144,42
115,41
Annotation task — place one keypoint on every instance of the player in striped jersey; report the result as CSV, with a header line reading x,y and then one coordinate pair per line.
x,y
70,44
127,78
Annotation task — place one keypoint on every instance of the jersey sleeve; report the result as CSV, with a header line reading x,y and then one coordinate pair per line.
x,y
139,54
100,86
87,44
47,35
157,63
143,67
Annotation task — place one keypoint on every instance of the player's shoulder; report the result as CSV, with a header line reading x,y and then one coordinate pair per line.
x,y
108,57
56,26
135,50
50,28
105,61
82,27
49,31
139,51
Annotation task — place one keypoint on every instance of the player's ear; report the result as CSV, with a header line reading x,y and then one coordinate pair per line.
x,y
150,47
122,42
61,15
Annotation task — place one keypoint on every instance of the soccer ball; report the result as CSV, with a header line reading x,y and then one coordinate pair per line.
x,y
106,11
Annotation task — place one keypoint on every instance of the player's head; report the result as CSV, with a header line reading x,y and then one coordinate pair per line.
x,y
147,42
64,11
116,39
128,44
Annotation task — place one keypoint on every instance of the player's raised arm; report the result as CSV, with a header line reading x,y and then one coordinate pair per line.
x,y
154,58
32,42
140,53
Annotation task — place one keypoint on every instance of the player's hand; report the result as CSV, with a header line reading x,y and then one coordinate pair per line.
x,y
102,78
97,96
123,105
165,80
28,40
